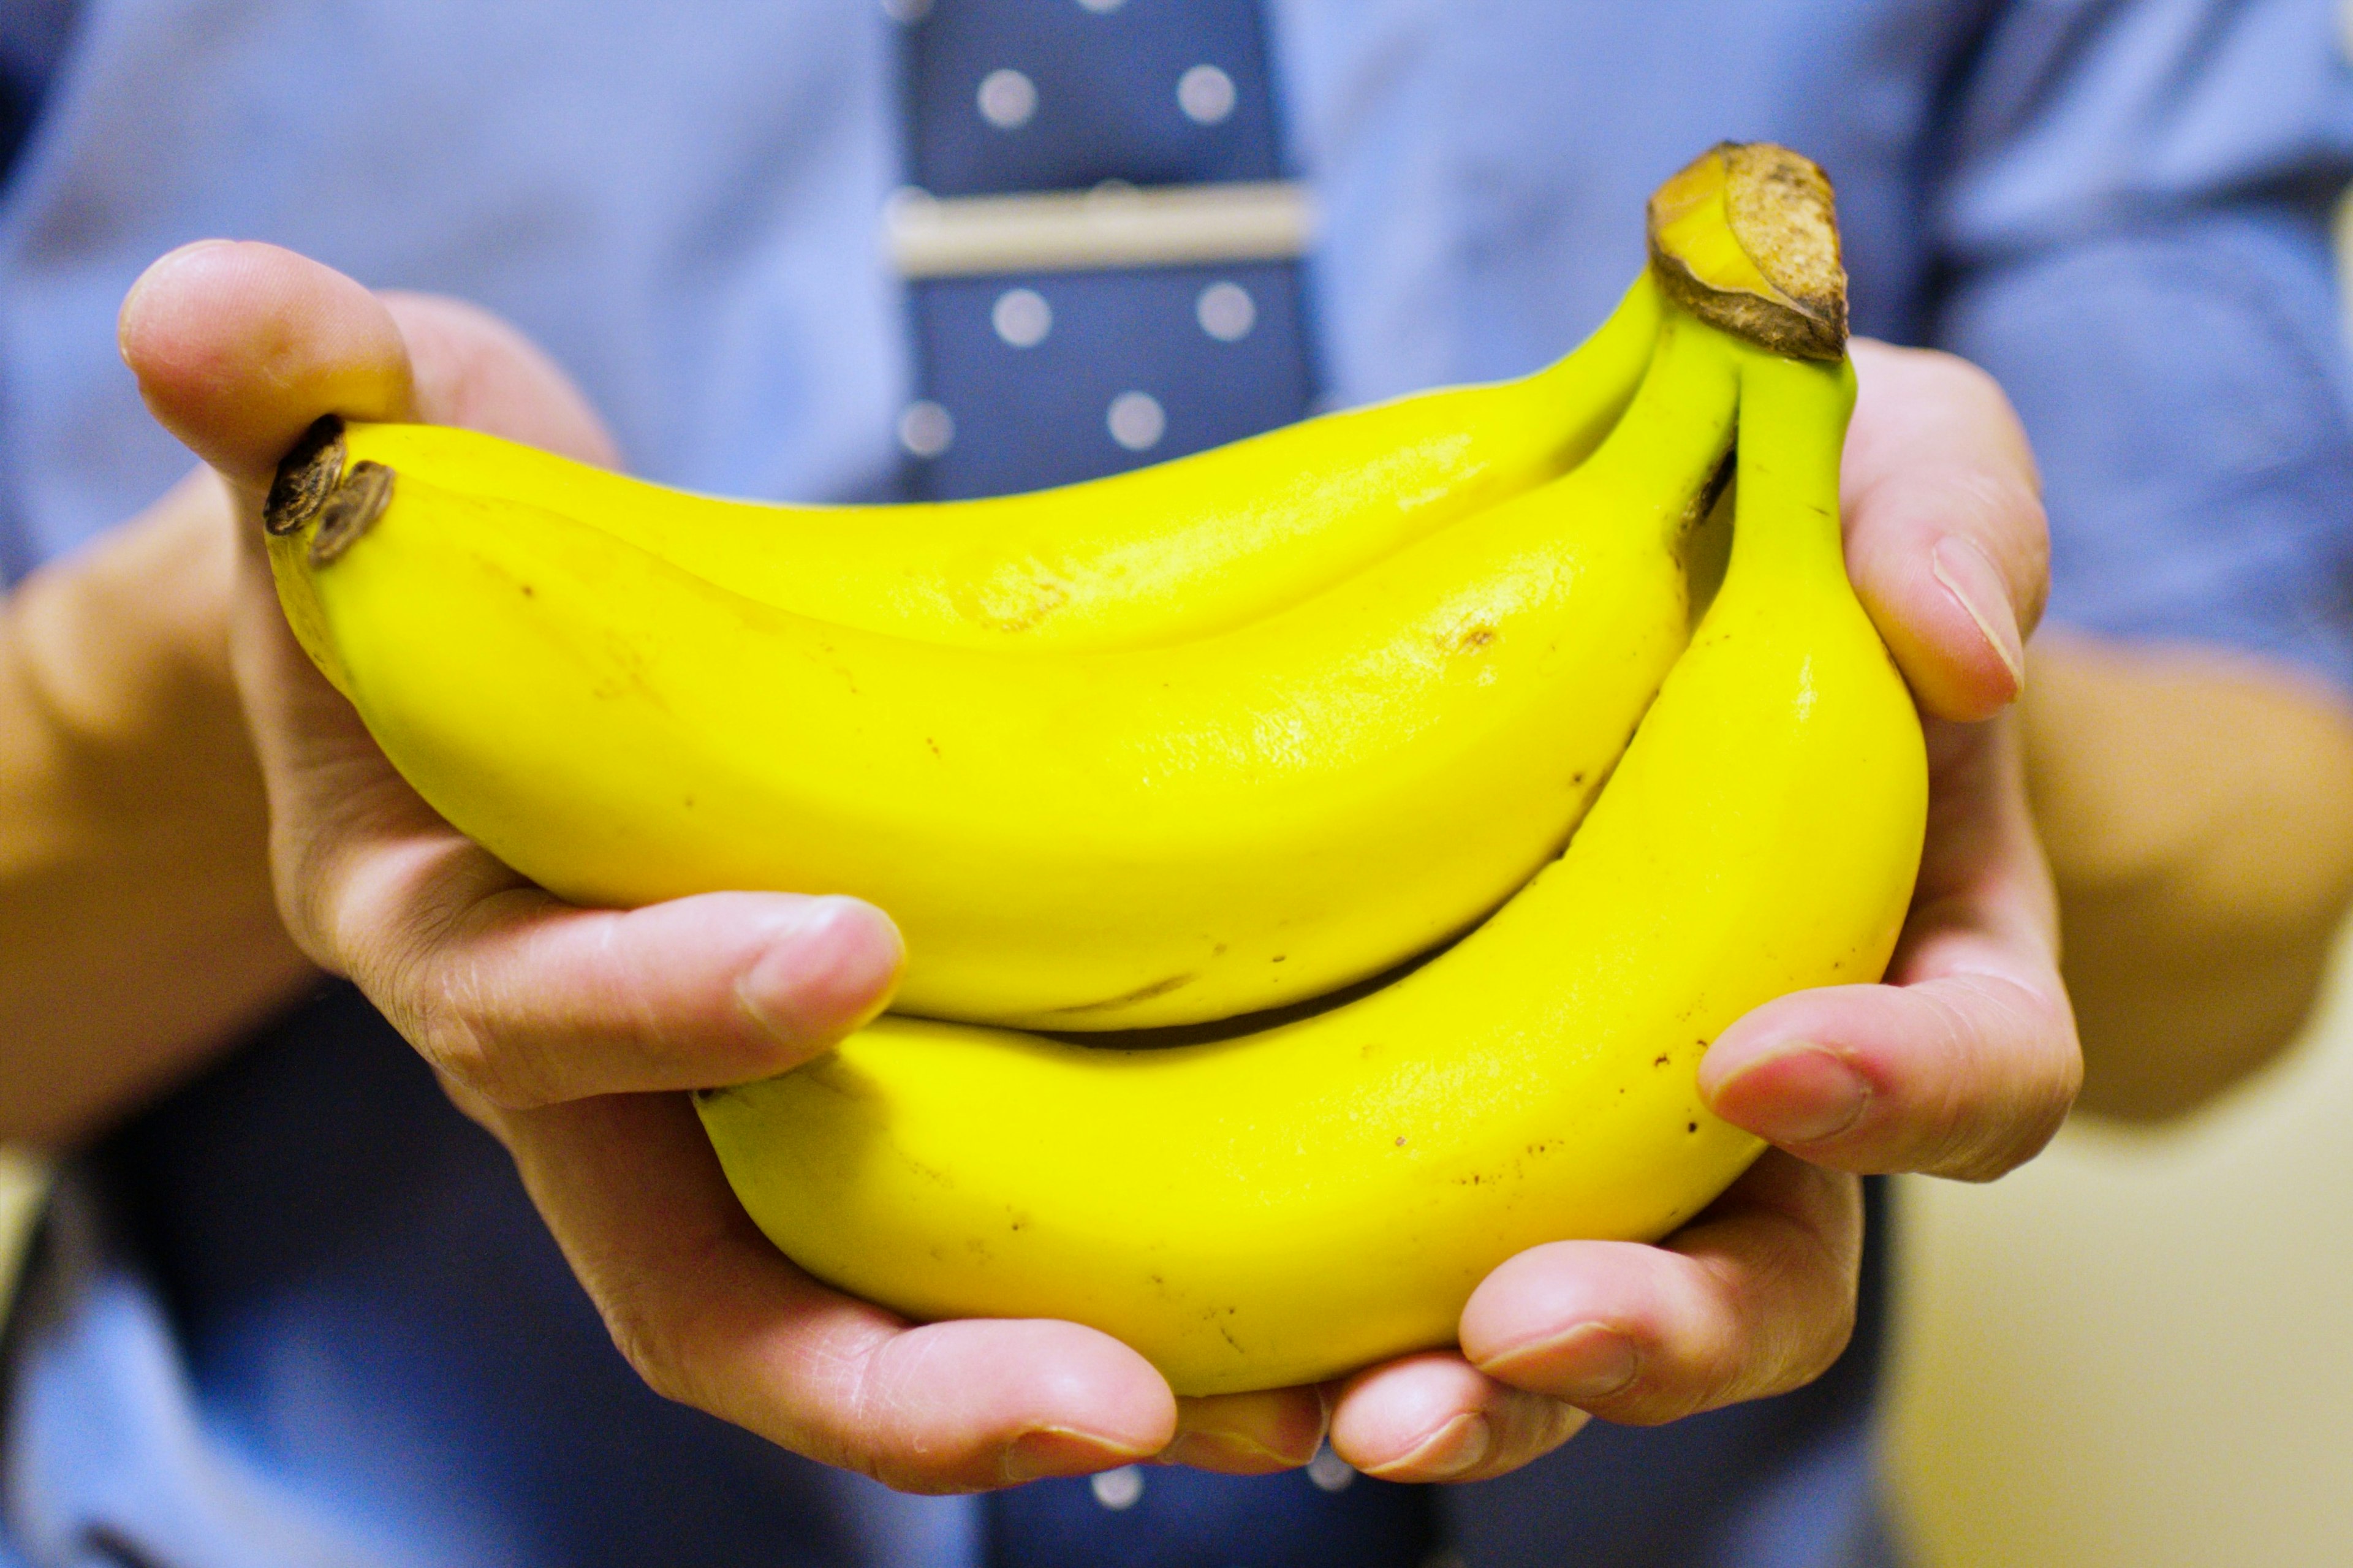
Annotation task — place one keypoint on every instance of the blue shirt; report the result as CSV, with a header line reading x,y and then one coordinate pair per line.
x,y
300,1312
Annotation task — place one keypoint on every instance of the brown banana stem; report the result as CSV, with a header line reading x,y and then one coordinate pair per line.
x,y
351,510
1745,238
306,477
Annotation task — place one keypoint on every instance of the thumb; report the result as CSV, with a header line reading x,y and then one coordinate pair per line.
x,y
1945,534
240,346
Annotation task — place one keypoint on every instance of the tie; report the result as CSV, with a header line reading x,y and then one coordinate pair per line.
x,y
1107,121
1034,376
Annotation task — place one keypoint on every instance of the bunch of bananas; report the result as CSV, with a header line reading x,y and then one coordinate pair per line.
x,y
1274,749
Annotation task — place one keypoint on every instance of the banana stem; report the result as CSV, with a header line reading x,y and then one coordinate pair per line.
x,y
1669,447
1793,418
1617,355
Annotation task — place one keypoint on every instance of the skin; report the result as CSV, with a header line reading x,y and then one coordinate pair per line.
x,y
2206,878
568,1033
137,931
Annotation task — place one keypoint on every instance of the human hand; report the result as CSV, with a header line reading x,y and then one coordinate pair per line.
x,y
1962,1063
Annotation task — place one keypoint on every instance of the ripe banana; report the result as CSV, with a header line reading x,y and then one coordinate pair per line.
x,y
1068,840
1180,550
1292,1203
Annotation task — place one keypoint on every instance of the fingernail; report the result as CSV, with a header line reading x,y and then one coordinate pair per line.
x,y
1796,1094
1591,1360
1451,1450
1060,1451
827,971
1968,575
163,265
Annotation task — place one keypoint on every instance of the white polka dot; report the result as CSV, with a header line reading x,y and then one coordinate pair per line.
x,y
1103,7
926,429
1022,317
1118,1489
1205,94
1137,421
1226,311
1330,1472
1008,99
906,10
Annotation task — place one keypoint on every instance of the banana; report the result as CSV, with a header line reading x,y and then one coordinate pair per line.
x,y
1087,840
1289,1204
1180,550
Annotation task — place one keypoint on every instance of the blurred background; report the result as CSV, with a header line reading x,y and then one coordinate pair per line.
x,y
2139,1350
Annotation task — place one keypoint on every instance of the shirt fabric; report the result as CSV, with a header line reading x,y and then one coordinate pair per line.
x,y
300,1312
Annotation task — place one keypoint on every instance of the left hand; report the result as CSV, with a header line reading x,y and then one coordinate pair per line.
x,y
1962,1063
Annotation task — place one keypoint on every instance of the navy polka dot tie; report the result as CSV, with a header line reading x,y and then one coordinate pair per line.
x,y
1041,367
1036,377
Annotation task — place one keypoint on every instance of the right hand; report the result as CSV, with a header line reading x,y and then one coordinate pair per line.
x,y
570,1033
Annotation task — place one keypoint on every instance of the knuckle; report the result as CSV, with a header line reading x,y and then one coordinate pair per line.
x,y
870,1434
647,1351
1789,1309
2008,1147
1558,1421
445,1018
451,1042
1528,1426
476,1108
1644,1402
1820,1353
303,880
2016,1074
1652,1400
445,1000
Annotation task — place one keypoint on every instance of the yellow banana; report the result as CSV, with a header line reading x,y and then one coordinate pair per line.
x,y
1179,550
1069,840
1289,1204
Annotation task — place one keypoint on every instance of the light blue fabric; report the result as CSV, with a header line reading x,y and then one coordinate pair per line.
x,y
2118,207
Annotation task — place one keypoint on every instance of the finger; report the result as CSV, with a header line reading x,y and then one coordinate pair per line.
x,y
1753,1298
1966,1062
711,1314
1249,1433
239,347
1435,1417
1944,532
531,1002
